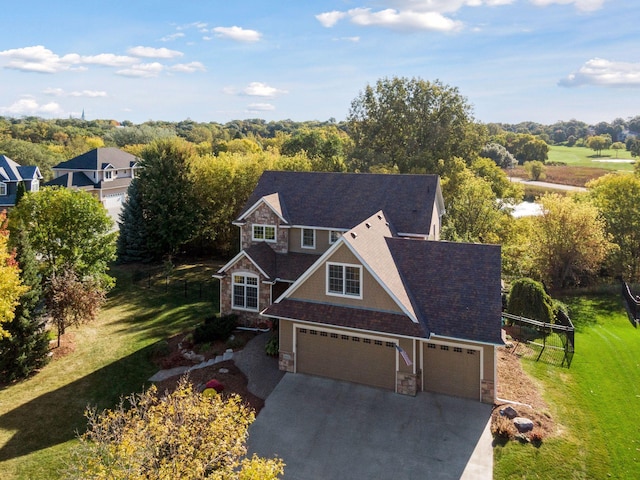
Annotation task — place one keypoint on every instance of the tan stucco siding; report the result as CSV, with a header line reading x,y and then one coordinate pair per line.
x,y
285,331
295,242
373,295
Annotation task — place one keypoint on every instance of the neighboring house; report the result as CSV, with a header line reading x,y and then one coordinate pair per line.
x,y
350,266
11,174
103,172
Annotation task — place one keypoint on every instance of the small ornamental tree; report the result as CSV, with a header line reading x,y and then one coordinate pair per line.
x,y
535,170
528,298
180,435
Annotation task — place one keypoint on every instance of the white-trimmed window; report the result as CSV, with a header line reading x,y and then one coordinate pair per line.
x,y
245,292
308,238
334,235
35,185
344,280
108,175
3,189
264,233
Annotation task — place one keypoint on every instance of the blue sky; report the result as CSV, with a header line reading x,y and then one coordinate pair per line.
x,y
211,60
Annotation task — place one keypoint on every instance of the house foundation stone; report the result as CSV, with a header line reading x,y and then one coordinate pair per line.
x,y
286,361
407,383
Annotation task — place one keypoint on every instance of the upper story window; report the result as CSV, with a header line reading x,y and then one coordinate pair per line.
x,y
35,185
308,238
3,189
334,235
264,233
245,292
108,175
344,280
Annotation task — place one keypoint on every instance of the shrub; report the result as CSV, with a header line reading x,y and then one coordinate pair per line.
x,y
272,346
502,427
528,298
215,328
535,169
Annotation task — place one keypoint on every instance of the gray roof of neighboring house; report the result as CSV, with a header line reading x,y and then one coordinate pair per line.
x,y
73,179
446,289
98,159
10,171
342,200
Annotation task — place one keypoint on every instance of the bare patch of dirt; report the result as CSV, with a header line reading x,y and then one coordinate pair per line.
x,y
515,385
67,345
564,175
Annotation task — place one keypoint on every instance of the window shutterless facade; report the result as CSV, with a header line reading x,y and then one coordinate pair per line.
x,y
3,189
35,185
245,292
334,236
264,233
344,280
308,238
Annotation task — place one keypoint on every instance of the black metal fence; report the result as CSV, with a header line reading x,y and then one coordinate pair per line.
x,y
189,288
632,303
546,342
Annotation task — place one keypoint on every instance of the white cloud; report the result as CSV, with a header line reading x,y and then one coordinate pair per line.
x,y
188,67
261,107
403,20
258,89
150,52
583,5
201,26
329,19
171,37
29,106
605,73
237,33
59,92
142,70
38,59
351,39
107,60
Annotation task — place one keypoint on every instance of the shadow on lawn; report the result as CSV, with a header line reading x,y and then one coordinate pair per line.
x,y
58,416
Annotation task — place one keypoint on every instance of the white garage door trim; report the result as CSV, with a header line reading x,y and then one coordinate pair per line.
x,y
454,345
358,333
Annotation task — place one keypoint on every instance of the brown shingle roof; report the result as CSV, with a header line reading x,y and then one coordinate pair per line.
x,y
340,316
342,200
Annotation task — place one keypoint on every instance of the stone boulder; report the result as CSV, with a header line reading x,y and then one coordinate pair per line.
x,y
523,424
509,412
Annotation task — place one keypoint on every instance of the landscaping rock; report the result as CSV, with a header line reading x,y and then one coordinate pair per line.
x,y
223,370
509,412
523,424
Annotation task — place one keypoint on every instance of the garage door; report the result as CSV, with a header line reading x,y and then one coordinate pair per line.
x,y
349,357
451,370
113,200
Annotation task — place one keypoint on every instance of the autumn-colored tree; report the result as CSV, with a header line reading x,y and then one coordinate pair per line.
x,y
570,241
11,287
73,301
182,434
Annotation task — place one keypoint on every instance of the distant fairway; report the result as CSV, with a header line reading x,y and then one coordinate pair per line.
x,y
585,157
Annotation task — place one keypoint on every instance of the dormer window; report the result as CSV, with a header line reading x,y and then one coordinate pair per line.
x,y
108,175
264,233
344,280
3,189
334,235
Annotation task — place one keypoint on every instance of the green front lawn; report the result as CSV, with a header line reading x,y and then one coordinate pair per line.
x,y
39,417
595,402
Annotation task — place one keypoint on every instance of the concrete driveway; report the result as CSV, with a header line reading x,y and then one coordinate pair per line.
x,y
326,429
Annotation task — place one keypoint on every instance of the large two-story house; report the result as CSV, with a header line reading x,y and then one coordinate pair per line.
x,y
103,172
352,268
12,174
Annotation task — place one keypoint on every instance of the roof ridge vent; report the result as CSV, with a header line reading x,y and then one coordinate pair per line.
x,y
368,225
354,235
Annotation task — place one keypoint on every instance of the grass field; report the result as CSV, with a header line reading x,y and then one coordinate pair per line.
x,y
585,157
594,402
39,417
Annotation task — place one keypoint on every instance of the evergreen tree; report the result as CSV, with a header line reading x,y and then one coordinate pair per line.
x,y
132,242
27,349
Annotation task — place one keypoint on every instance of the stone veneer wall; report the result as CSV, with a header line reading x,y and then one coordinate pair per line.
x,y
487,391
246,318
265,216
408,383
286,361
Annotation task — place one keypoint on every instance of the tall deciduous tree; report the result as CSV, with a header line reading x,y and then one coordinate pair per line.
x,y
570,241
179,435
168,201
617,197
500,155
597,143
412,124
68,230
